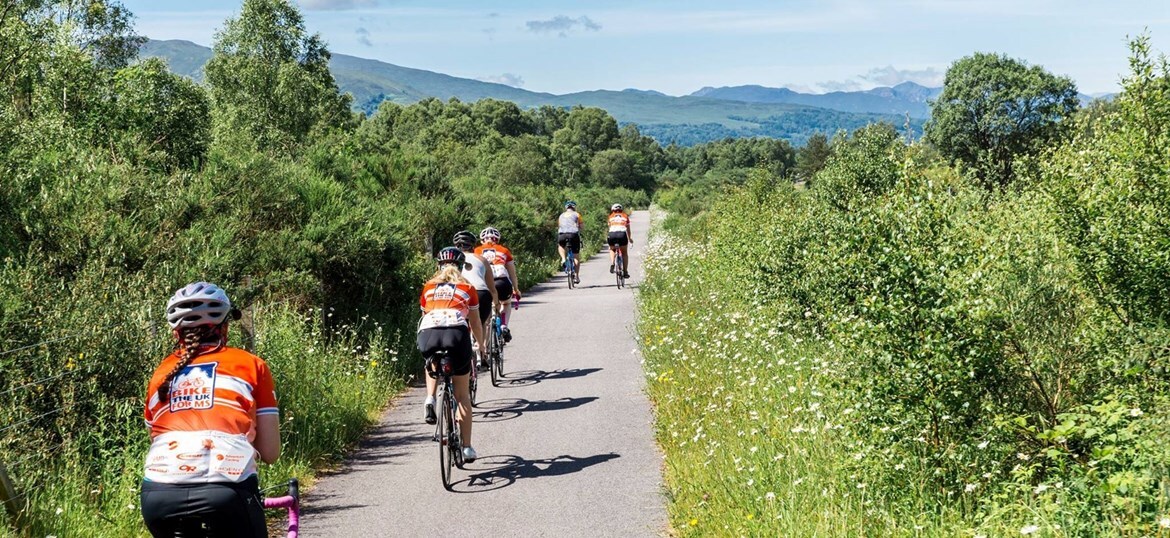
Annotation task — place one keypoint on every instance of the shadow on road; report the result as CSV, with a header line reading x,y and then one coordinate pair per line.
x,y
502,409
525,378
504,470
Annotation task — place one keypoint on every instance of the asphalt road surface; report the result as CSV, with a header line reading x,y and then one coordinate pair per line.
x,y
565,447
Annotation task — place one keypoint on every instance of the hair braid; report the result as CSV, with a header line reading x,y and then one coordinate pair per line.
x,y
188,343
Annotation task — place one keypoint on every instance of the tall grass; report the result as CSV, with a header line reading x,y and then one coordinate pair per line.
x,y
331,383
749,413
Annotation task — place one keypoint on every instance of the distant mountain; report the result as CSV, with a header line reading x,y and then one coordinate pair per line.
x,y
684,120
905,98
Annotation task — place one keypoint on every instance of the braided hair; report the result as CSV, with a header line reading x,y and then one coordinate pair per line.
x,y
188,340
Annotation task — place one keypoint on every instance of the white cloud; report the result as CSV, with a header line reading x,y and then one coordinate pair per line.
x,y
839,85
892,76
363,36
562,25
337,5
509,79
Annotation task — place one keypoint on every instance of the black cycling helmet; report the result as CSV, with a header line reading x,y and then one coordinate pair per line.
x,y
464,240
450,255
570,204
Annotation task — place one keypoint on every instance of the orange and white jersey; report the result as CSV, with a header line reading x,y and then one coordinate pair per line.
x,y
447,304
619,222
203,432
498,256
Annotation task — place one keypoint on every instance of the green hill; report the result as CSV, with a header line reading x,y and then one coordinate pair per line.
x,y
685,120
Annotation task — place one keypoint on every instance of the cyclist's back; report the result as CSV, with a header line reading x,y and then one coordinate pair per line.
x,y
569,226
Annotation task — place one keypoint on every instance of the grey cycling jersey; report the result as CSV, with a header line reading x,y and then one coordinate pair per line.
x,y
569,222
474,271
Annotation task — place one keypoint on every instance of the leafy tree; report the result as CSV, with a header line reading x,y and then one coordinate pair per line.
x,y
811,157
591,129
994,110
548,119
525,160
270,80
504,117
863,165
619,168
163,110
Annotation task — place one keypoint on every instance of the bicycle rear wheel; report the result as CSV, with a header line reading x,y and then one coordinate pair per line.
x,y
618,270
570,270
456,443
494,353
473,382
443,433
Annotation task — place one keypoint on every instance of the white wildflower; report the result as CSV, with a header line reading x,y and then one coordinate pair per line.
x,y
1030,529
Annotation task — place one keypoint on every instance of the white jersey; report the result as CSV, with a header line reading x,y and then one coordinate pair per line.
x,y
475,271
569,222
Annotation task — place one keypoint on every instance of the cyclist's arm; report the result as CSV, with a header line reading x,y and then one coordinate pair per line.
x,y
515,280
477,332
267,440
491,284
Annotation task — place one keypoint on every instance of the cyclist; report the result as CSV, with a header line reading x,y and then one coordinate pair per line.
x,y
447,301
619,237
212,411
569,225
503,270
475,271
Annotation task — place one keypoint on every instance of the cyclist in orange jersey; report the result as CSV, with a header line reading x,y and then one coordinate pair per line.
x,y
212,412
619,237
504,270
448,304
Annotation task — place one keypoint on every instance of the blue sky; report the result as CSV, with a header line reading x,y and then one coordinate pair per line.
x,y
680,46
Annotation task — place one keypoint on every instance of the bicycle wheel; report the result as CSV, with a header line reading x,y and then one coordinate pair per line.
x,y
569,273
456,442
618,268
473,382
494,353
443,436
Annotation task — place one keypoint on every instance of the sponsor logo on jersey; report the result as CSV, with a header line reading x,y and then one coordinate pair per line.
x,y
194,388
192,456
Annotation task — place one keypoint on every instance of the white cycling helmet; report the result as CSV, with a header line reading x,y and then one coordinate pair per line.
x,y
490,233
198,304
616,207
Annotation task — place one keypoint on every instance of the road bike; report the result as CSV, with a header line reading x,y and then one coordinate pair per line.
x,y
495,350
447,434
619,267
570,267
291,502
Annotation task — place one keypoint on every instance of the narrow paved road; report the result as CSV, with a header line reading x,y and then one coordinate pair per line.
x,y
566,446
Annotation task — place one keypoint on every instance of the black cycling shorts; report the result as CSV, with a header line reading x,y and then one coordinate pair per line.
x,y
216,509
570,241
503,289
455,340
485,305
617,239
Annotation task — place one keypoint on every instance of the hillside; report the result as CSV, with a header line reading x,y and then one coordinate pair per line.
x,y
685,120
905,98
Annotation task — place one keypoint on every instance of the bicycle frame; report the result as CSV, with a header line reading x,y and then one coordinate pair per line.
x,y
292,502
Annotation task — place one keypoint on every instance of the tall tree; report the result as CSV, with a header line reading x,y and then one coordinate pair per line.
x,y
994,109
811,157
270,80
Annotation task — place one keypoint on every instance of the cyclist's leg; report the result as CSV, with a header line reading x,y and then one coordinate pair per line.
x,y
504,292
461,351
463,396
427,342
577,250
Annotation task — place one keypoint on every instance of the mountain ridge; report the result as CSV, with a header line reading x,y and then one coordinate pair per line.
x,y
686,120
